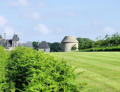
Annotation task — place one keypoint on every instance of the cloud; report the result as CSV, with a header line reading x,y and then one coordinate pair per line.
x,y
9,30
109,30
3,24
3,21
19,3
42,28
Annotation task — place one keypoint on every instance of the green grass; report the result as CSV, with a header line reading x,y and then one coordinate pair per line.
x,y
100,70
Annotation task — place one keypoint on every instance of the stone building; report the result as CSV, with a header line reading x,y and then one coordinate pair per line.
x,y
9,43
44,46
68,42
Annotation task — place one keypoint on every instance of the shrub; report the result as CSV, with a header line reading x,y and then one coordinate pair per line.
x,y
113,48
73,48
3,61
32,71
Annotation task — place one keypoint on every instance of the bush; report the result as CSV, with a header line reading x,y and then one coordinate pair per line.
x,y
113,48
3,61
32,71
73,48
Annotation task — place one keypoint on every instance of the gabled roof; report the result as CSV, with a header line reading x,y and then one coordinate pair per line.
x,y
70,39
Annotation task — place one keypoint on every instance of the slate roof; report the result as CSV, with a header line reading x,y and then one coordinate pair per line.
x,y
43,45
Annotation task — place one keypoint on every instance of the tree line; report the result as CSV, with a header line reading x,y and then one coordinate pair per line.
x,y
107,43
87,43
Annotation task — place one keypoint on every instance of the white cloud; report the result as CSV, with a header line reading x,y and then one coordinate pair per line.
x,y
42,28
9,30
109,30
4,25
3,21
19,3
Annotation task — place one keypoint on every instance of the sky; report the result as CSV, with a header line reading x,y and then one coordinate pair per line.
x,y
51,20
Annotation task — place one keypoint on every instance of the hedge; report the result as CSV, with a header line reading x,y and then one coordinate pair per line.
x,y
115,48
32,71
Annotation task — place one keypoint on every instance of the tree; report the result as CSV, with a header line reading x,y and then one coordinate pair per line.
x,y
55,47
109,40
85,43
35,45
73,48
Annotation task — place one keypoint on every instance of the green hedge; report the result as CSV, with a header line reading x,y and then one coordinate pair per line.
x,y
115,48
3,60
32,71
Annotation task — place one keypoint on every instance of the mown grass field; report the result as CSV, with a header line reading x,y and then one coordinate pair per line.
x,y
100,70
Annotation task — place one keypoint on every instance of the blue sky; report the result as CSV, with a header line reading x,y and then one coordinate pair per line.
x,y
51,20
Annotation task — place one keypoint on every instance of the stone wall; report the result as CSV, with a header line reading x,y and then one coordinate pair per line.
x,y
68,46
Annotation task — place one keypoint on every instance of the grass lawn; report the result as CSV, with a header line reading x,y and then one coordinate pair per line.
x,y
101,70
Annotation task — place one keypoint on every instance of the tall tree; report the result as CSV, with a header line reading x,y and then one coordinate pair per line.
x,y
35,45
85,43
55,47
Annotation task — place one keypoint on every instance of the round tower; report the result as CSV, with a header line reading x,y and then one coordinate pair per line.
x,y
68,42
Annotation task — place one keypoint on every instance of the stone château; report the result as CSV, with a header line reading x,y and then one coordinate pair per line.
x,y
9,43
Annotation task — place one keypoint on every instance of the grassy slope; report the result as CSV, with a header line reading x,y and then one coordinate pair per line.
x,y
101,70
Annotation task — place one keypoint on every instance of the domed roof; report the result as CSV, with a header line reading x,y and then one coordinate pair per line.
x,y
70,39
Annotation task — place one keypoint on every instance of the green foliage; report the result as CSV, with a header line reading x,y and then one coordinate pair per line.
x,y
33,71
109,40
35,45
108,43
73,48
85,43
112,48
55,47
3,61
